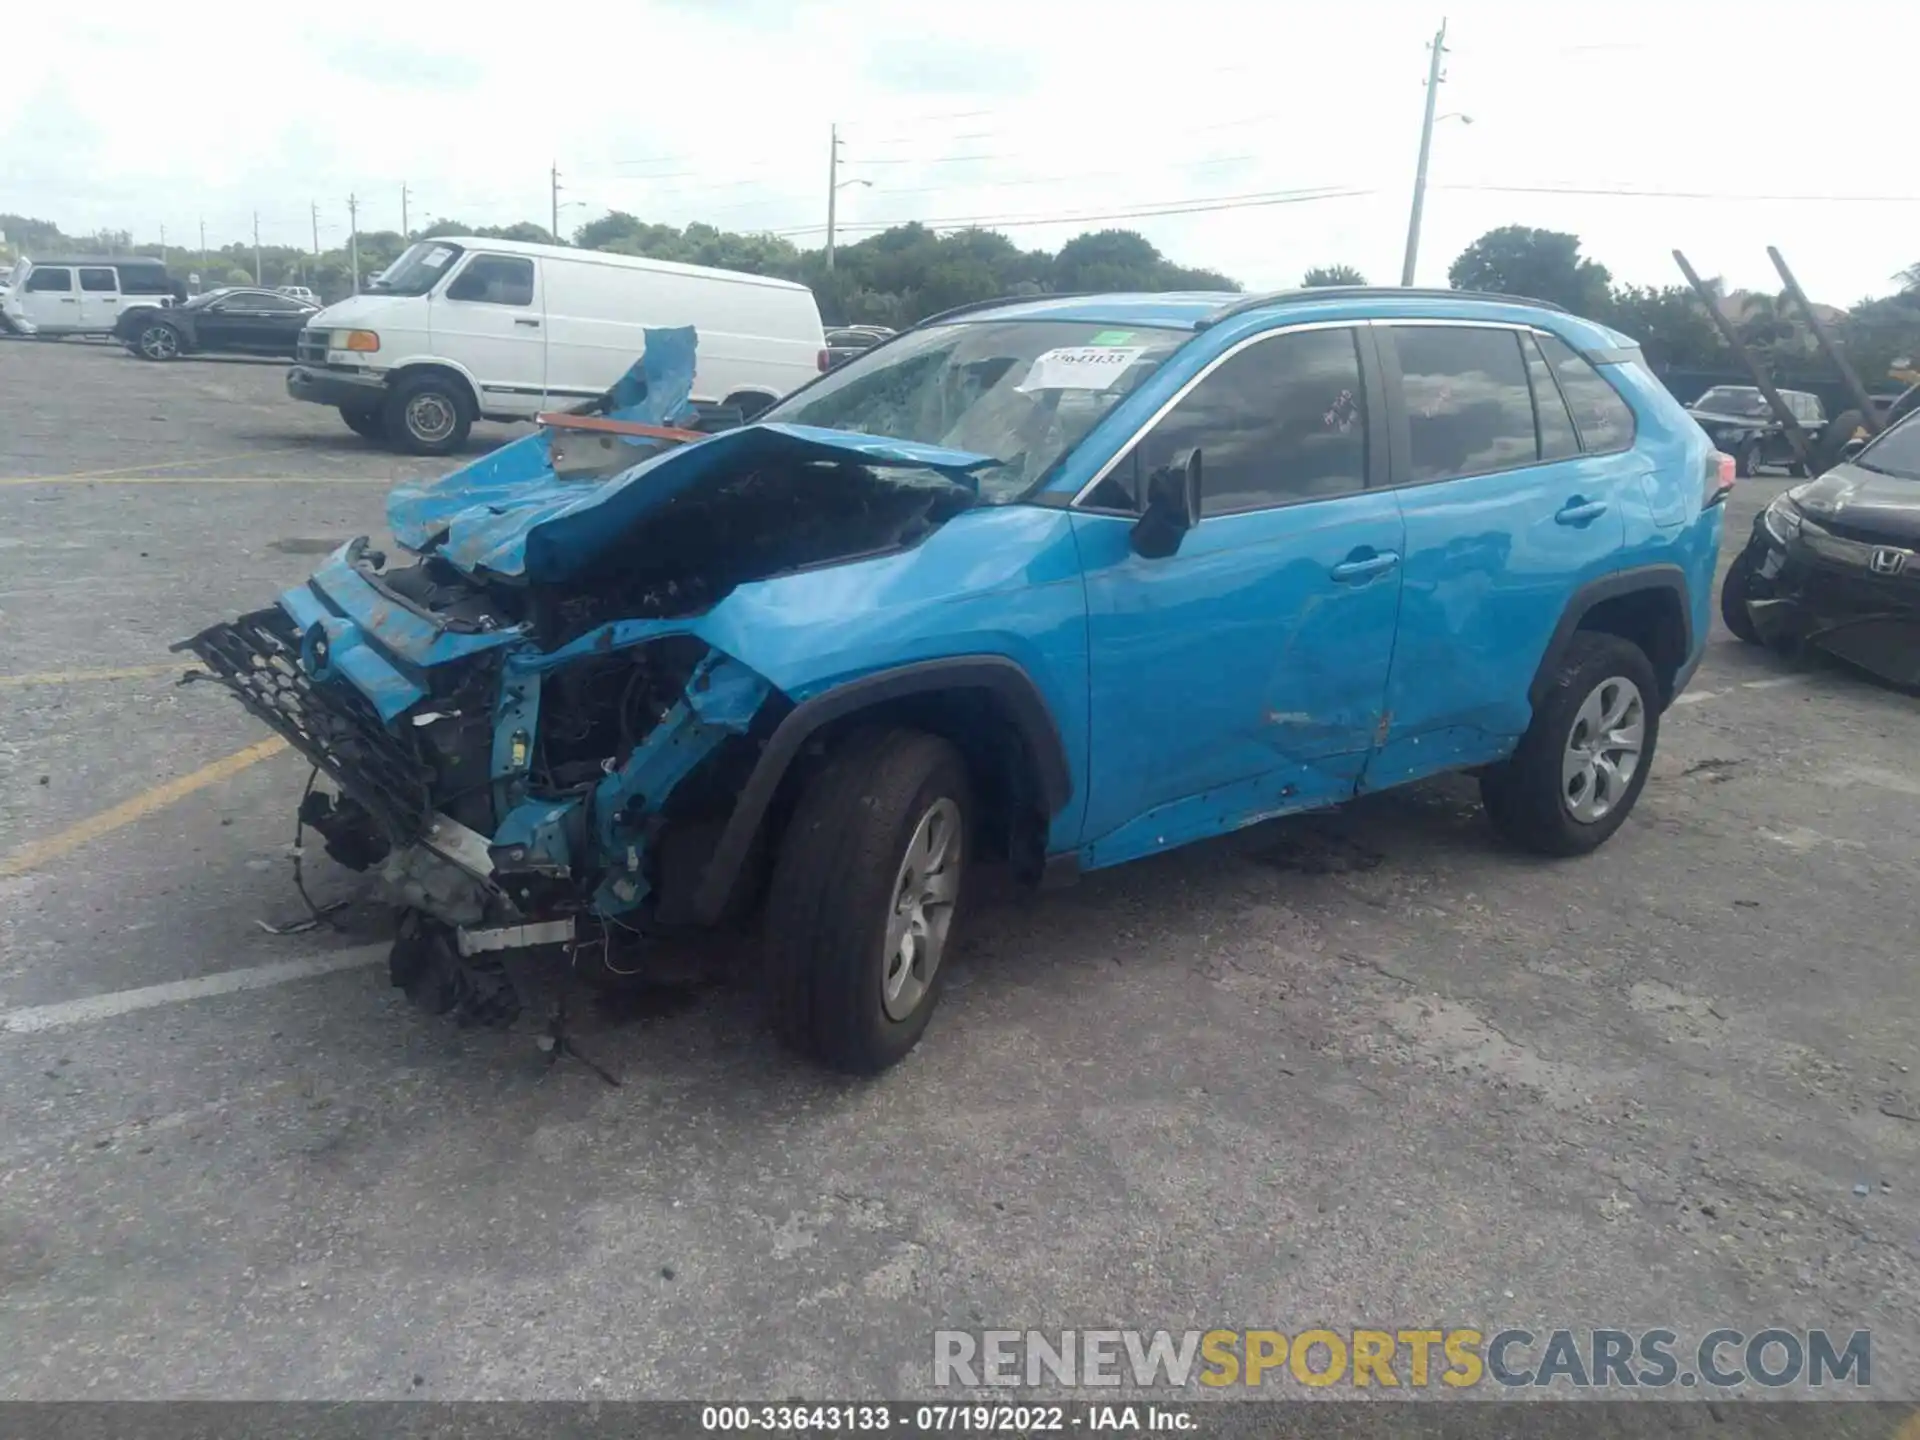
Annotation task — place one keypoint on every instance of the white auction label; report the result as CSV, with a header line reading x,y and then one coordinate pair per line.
x,y
1080,367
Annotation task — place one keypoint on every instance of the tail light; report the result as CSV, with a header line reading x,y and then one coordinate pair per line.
x,y
1720,472
824,359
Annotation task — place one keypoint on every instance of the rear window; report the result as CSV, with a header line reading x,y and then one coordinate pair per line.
x,y
1897,452
1604,420
1469,409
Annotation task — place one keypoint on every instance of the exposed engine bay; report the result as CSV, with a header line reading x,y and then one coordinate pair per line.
x,y
528,753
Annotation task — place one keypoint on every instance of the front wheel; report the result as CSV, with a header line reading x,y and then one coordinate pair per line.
x,y
427,415
1746,464
158,343
865,890
1582,763
1735,591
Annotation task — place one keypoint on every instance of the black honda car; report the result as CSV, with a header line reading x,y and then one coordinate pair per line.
x,y
1835,563
253,322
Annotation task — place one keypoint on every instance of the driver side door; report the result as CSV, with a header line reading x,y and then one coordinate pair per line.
x,y
1244,675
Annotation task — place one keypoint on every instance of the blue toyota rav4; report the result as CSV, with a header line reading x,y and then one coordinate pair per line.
x,y
1064,581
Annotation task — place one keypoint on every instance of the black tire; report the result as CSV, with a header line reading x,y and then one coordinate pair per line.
x,y
833,891
1798,470
1526,797
1735,591
428,415
749,404
1747,461
369,423
158,342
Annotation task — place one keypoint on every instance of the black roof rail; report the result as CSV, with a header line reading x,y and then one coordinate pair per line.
x,y
1349,292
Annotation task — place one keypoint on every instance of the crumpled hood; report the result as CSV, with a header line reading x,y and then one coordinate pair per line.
x,y
509,516
1884,506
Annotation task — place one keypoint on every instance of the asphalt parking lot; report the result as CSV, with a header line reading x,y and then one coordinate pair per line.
x,y
1356,1070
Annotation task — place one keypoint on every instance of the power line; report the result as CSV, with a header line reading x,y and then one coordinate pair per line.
x,y
1171,207
1687,194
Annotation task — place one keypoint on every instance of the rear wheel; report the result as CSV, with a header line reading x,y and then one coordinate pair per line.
x,y
1735,591
1584,760
861,909
365,422
427,415
157,342
1747,462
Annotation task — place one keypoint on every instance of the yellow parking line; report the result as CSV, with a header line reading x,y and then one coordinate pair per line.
x,y
164,465
194,480
72,677
39,852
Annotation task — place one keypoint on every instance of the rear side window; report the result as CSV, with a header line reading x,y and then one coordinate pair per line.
x,y
1469,408
495,280
145,282
1603,419
98,280
1558,439
56,278
1284,420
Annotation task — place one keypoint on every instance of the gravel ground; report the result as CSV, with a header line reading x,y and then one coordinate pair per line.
x,y
1363,1069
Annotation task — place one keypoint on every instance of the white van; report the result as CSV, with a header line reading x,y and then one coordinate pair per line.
x,y
459,329
84,294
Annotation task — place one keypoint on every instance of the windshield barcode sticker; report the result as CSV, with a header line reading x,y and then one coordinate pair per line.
x,y
1080,367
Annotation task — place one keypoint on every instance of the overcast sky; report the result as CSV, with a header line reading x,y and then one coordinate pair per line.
x,y
998,110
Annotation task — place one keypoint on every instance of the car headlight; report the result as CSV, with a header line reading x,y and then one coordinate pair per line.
x,y
1782,519
364,341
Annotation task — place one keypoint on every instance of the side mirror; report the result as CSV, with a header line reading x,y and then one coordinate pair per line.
x,y
1172,509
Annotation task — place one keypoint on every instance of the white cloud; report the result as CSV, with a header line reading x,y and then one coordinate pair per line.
x,y
679,110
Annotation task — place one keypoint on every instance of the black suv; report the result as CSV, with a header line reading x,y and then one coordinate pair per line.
x,y
1740,423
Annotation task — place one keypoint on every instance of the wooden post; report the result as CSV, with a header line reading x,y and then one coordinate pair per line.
x,y
1827,348
1802,446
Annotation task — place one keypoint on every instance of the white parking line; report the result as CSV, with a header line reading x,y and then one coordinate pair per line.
x,y
35,1018
1694,697
1774,683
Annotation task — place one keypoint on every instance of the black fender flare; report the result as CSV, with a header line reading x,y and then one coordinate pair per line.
x,y
1006,679
1608,587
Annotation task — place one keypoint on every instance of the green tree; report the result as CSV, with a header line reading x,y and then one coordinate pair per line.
x,y
1909,278
1537,264
1321,275
1673,328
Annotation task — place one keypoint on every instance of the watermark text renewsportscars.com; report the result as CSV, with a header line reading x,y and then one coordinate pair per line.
x,y
1596,1358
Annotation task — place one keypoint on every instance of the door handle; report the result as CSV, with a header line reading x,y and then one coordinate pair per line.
x,y
69,300
1578,512
530,324
1365,568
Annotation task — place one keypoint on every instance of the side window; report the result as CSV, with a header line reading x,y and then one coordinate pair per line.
x,y
245,301
145,282
1281,421
58,278
1558,439
98,280
1469,410
495,280
1603,419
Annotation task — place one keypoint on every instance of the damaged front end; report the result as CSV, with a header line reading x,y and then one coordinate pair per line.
x,y
1832,567
530,737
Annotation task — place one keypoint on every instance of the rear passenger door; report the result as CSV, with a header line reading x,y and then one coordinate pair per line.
x,y
99,297
1507,514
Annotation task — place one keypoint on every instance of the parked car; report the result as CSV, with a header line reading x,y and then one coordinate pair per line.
x,y
459,329
1739,421
254,322
846,341
1070,581
298,292
83,295
1835,563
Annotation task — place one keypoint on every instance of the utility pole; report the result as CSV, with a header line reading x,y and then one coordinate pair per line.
x,y
203,252
353,239
256,248
406,232
163,246
554,177
1434,78
316,229
833,186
